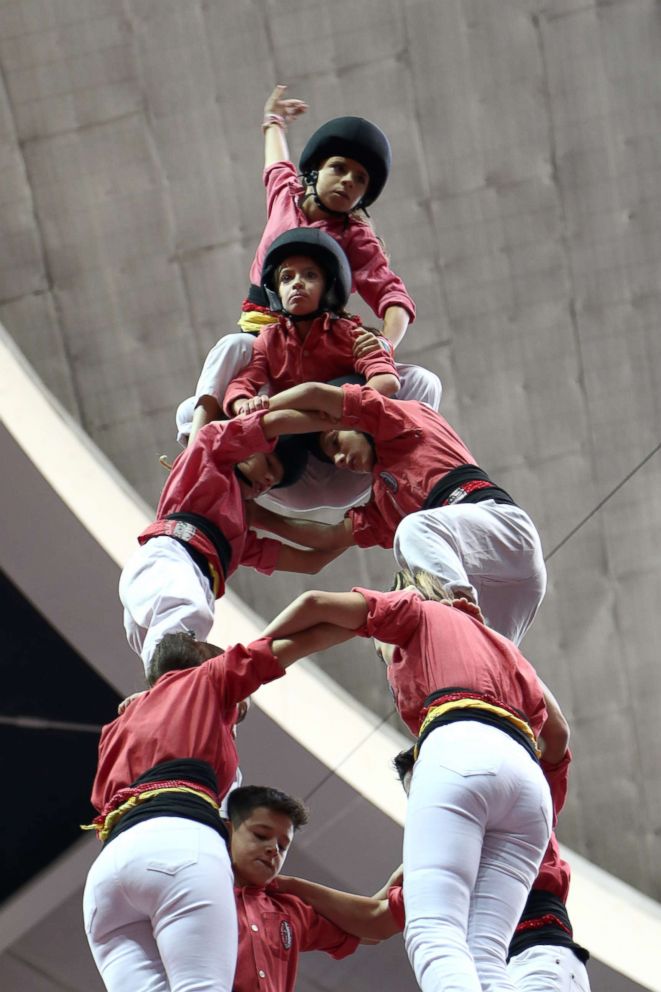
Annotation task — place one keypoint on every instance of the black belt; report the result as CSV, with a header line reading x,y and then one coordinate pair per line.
x,y
478,715
449,488
214,534
182,805
545,921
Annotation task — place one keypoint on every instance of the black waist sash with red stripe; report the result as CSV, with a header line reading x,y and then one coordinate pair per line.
x,y
214,534
465,484
545,921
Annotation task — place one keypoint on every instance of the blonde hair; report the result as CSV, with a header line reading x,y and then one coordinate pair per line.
x,y
429,586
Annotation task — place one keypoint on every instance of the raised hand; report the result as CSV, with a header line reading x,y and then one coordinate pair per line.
x,y
287,108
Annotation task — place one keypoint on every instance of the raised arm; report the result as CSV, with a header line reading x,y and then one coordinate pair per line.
x,y
206,411
294,420
346,610
555,732
397,878
395,322
310,396
362,916
308,533
300,644
278,113
306,561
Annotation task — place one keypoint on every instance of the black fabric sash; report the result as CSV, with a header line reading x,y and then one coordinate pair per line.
x,y
214,534
184,805
479,716
443,491
554,926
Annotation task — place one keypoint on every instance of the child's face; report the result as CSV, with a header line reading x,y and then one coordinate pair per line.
x,y
342,183
260,472
301,285
348,450
259,846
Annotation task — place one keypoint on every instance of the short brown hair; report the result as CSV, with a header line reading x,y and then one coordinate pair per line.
x,y
242,801
176,652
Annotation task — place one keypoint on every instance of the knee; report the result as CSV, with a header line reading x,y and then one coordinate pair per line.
x,y
237,346
431,389
413,530
422,385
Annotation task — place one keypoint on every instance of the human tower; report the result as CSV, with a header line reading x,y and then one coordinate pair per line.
x,y
305,408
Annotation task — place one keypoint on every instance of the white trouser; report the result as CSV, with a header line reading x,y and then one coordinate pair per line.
x,y
321,485
491,550
159,909
477,824
547,968
223,363
163,591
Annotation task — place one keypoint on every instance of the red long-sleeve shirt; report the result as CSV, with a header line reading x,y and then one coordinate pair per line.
x,y
372,276
203,481
281,360
414,445
438,646
274,928
187,714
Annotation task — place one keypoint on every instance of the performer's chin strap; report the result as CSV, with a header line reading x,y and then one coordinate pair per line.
x,y
310,179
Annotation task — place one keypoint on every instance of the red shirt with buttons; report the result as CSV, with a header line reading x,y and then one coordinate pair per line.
x,y
438,646
274,928
280,358
414,448
203,481
187,714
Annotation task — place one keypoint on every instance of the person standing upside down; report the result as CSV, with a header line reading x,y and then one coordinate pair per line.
x,y
430,502
201,535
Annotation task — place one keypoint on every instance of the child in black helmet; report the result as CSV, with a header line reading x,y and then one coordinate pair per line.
x,y
344,167
342,170
307,281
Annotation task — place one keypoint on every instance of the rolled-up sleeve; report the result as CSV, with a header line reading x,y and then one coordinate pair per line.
x,y
240,670
373,278
392,617
261,553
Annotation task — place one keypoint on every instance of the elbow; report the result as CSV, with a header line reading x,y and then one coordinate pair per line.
x,y
313,599
385,383
384,924
555,740
390,385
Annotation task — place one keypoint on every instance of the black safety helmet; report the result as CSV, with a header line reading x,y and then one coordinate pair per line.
x,y
292,451
352,137
325,251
